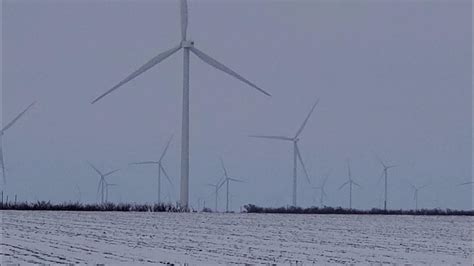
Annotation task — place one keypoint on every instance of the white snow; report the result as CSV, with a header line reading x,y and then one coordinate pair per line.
x,y
199,238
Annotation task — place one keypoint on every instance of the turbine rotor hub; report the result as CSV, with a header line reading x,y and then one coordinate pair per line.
x,y
187,44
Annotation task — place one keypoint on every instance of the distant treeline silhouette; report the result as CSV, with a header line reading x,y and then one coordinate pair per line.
x,y
250,208
75,206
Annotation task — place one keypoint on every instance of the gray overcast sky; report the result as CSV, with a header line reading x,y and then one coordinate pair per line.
x,y
394,79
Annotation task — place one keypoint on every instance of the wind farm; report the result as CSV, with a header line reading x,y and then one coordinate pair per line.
x,y
191,164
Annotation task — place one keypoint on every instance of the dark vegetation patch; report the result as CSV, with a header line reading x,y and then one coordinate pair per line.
x,y
75,206
250,208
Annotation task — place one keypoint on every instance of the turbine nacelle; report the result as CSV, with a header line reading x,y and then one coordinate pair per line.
x,y
187,44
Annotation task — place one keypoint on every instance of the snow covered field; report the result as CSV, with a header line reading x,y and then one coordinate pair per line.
x,y
125,238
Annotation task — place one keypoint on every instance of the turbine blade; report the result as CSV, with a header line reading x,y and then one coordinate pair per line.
x,y
99,186
221,183
355,183
111,172
223,168
306,120
391,166
302,164
95,169
347,182
166,148
466,183
381,176
166,174
271,137
2,163
154,61
184,19
211,61
236,180
16,118
146,162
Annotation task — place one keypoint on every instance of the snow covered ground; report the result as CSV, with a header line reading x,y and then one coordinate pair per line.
x,y
126,238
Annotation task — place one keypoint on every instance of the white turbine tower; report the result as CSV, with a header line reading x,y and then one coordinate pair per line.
x,y
216,187
296,151
415,192
4,129
227,180
385,174
350,182
161,168
102,186
187,46
322,193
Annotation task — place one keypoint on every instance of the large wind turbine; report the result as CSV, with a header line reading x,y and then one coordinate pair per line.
x,y
321,189
385,174
227,180
415,196
216,187
296,150
350,182
161,168
4,129
187,46
102,186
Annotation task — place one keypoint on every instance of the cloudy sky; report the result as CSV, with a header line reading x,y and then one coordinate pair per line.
x,y
393,78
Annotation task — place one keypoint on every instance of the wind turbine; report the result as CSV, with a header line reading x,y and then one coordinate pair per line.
x,y
4,129
187,46
161,168
296,150
350,182
321,188
415,196
216,187
227,180
102,186
385,174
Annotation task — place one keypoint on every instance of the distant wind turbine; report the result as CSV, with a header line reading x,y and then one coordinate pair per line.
x,y
227,180
322,193
4,129
296,151
216,187
385,174
107,185
415,196
161,168
102,186
187,46
350,182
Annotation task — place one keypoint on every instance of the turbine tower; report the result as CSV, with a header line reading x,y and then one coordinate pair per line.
x,y
296,151
415,196
350,182
385,174
227,180
322,192
4,129
161,168
102,186
216,187
187,46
